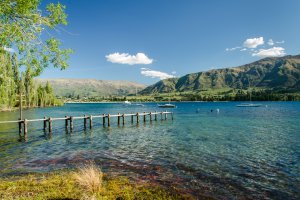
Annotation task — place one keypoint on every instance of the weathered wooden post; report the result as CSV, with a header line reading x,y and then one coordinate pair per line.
x,y
166,115
137,118
71,124
84,122
155,116
50,124
91,122
66,122
172,115
144,117
108,120
161,113
45,123
123,119
25,127
20,126
103,119
118,119
132,118
150,117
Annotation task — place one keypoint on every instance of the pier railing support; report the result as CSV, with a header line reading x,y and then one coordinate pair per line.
x,y
137,118
84,122
25,127
50,124
91,122
45,123
66,122
103,119
20,127
108,120
71,124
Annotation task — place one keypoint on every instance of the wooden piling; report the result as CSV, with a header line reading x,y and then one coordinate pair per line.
x,y
45,123
91,122
155,116
123,119
20,127
84,122
71,124
25,127
50,124
108,120
166,115
118,119
103,120
144,117
132,118
150,117
137,118
66,122
172,115
161,118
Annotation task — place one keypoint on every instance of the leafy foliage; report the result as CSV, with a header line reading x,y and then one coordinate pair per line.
x,y
22,48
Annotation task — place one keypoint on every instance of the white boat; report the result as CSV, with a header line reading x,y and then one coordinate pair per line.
x,y
249,104
167,105
139,104
127,102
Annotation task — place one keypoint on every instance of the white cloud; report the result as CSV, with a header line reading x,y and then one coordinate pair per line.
x,y
155,74
173,72
280,42
11,50
270,42
243,49
252,43
125,58
272,52
232,49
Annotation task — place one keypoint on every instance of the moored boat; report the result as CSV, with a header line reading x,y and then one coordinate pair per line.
x,y
167,105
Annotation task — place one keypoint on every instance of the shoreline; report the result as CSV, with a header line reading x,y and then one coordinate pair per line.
x,y
62,184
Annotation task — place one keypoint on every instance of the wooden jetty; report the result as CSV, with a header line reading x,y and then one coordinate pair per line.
x,y
69,120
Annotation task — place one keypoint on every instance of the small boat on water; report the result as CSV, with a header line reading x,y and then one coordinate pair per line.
x,y
167,105
127,103
248,105
139,104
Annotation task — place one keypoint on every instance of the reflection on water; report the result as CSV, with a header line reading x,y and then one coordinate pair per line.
x,y
236,153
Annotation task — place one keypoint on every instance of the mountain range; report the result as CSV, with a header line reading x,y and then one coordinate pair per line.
x,y
274,73
91,87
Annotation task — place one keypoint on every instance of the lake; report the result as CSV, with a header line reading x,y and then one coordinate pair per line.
x,y
235,153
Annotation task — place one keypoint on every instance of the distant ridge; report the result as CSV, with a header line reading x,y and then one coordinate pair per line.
x,y
91,87
276,73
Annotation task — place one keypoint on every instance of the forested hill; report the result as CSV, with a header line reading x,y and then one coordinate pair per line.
x,y
277,74
79,88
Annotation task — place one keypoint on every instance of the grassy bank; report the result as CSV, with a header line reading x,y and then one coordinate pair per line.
x,y
85,183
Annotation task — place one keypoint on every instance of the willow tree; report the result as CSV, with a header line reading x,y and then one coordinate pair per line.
x,y
22,26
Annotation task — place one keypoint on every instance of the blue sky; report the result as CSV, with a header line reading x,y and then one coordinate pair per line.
x,y
147,40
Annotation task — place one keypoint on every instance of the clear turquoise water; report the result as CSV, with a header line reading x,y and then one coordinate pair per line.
x,y
236,153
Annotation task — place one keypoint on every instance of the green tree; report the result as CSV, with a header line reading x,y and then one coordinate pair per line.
x,y
22,24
